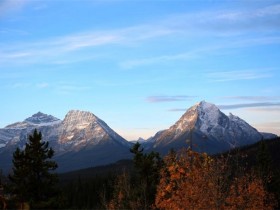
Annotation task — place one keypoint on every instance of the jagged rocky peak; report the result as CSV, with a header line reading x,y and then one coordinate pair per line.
x,y
206,106
201,111
209,113
79,118
209,110
40,118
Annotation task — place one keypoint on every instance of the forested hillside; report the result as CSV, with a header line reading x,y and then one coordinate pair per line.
x,y
246,178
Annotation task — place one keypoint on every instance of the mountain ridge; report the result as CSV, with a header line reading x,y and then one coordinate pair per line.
x,y
77,139
204,128
83,140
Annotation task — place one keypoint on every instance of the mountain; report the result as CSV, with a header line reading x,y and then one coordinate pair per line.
x,y
81,140
16,133
84,141
205,128
81,128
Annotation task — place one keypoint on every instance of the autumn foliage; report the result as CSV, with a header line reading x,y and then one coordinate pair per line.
x,y
191,180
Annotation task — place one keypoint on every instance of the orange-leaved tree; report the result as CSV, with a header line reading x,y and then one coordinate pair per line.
x,y
248,192
196,181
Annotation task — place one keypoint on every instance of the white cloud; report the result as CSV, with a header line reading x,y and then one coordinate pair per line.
x,y
253,98
160,99
226,76
250,105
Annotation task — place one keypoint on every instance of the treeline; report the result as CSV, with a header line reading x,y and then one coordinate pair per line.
x,y
246,178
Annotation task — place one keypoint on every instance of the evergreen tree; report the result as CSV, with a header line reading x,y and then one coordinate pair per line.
x,y
264,162
32,180
148,166
138,189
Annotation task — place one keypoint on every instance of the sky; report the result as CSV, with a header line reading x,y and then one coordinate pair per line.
x,y
140,64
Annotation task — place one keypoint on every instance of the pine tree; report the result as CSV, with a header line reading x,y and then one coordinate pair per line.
x,y
32,180
148,166
264,163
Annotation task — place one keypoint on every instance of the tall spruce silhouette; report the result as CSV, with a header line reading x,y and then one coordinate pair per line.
x,y
33,180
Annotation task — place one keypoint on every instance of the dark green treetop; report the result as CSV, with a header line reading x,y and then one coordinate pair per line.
x,y
32,180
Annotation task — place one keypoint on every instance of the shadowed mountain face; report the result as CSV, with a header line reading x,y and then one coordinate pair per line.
x,y
83,140
205,128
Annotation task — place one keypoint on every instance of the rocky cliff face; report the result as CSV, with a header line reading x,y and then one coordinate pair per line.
x,y
83,140
206,129
76,140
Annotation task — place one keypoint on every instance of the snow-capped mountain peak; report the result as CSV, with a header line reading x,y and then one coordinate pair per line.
x,y
82,127
211,110
41,118
81,133
209,116
37,120
202,114
78,119
209,129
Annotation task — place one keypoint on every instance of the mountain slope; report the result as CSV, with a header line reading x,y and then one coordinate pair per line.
x,y
80,140
86,141
83,140
205,128
81,128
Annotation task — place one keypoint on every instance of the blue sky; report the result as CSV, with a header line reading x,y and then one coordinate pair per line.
x,y
138,65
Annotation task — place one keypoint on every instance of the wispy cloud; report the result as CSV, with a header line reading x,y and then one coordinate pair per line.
x,y
263,106
226,76
109,83
191,24
176,110
21,85
203,51
253,98
60,88
227,22
7,6
159,59
7,31
40,7
42,85
159,99
250,13
271,109
249,105
68,88
50,50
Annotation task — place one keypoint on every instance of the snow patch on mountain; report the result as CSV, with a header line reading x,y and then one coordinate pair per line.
x,y
81,129
42,119
210,130
79,133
